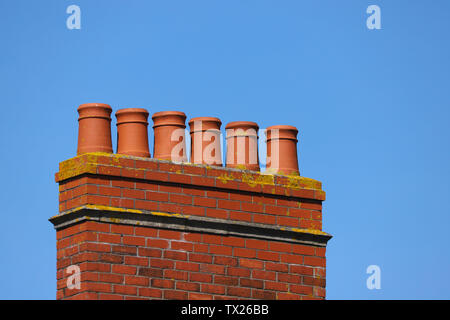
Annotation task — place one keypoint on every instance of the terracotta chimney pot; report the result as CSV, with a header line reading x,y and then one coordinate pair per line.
x,y
132,134
282,150
205,141
94,128
169,135
242,145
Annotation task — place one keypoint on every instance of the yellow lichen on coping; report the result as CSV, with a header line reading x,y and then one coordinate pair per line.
x,y
260,179
310,231
74,167
225,178
165,214
108,208
297,182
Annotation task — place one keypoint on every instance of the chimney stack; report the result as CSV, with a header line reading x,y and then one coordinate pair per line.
x,y
134,227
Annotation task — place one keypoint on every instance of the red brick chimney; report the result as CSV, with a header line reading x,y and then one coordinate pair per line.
x,y
137,228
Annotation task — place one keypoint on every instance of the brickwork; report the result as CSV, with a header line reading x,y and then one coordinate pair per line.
x,y
145,228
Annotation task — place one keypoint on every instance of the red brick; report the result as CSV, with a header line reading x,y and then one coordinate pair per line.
x,y
170,189
212,268
250,263
195,211
193,237
194,192
157,196
234,241
115,228
301,249
264,295
241,216
225,261
146,205
175,295
170,208
216,213
244,282
264,255
110,238
220,250
312,206
203,181
280,246
252,207
228,204
200,247
110,258
179,178
212,239
123,269
178,198
136,261
169,234
291,278
178,245
214,289
188,266
133,173
292,258
200,258
229,281
106,296
200,277
288,296
161,263
137,281
205,202
175,255
110,191
199,296
264,218
175,274
301,270
240,292
187,286
256,244
98,287
275,210
276,286
265,275
146,232
162,283
290,222
123,183
157,243
151,272
134,241
124,250
217,194
241,272
315,261
126,290
193,169
150,292
301,289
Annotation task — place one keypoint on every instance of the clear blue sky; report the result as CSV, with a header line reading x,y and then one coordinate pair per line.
x,y
372,108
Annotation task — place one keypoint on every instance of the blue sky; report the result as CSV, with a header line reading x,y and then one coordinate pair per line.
x,y
372,108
